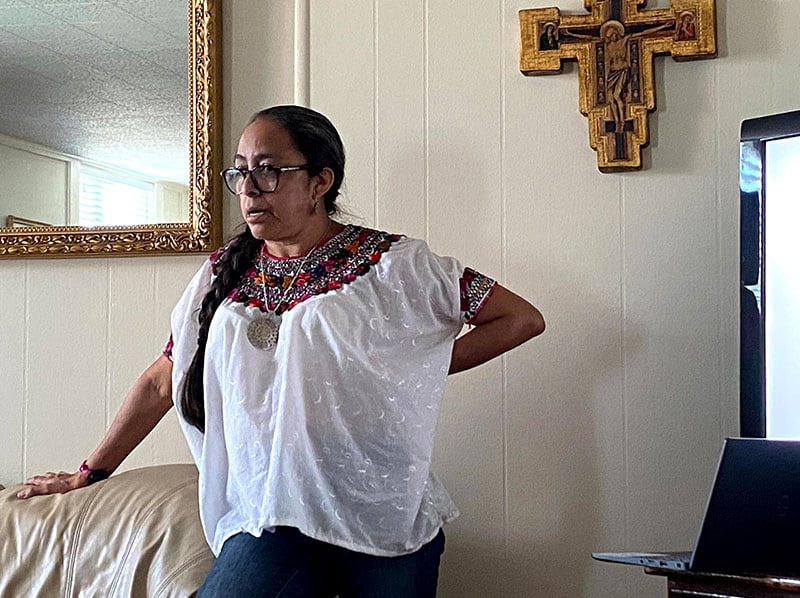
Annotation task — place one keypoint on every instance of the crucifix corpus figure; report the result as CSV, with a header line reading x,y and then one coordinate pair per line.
x,y
614,47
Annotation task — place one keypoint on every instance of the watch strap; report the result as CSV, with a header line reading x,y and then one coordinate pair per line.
x,y
93,475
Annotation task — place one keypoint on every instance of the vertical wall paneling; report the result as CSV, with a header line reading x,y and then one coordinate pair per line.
x,y
132,306
258,71
66,360
138,305
464,203
671,246
342,86
401,110
14,292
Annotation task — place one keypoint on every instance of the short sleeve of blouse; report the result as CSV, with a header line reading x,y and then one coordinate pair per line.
x,y
184,326
447,280
475,289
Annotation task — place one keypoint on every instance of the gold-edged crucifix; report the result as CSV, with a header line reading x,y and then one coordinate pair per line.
x,y
614,47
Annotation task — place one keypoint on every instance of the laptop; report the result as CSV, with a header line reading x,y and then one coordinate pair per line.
x,y
752,521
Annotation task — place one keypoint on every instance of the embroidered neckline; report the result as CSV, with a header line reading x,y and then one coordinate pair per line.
x,y
342,259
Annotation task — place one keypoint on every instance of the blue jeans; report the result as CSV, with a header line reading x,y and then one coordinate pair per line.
x,y
288,564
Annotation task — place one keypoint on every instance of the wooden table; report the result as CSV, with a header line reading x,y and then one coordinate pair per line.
x,y
681,584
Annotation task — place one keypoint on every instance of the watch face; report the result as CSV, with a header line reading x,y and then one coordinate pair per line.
x,y
97,475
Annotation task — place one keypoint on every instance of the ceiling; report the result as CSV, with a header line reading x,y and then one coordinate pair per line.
x,y
104,80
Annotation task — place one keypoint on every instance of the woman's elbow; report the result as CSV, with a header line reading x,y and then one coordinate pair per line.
x,y
530,324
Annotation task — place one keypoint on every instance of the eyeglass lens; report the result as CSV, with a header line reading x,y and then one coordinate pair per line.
x,y
264,179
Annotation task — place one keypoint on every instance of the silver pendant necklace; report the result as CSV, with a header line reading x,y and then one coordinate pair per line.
x,y
262,332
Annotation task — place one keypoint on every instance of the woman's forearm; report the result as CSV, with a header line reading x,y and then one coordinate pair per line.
x,y
144,406
146,403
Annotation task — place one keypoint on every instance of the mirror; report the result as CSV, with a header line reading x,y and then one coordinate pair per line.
x,y
97,102
769,328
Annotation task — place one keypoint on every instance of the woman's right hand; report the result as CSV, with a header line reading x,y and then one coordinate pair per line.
x,y
52,483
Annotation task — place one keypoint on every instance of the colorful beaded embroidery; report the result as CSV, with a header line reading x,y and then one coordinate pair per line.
x,y
339,262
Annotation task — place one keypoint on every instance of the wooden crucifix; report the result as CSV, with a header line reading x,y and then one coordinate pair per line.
x,y
614,47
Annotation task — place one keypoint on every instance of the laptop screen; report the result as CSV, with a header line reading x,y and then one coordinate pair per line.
x,y
752,522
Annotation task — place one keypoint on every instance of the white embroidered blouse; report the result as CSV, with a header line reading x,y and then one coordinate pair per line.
x,y
331,431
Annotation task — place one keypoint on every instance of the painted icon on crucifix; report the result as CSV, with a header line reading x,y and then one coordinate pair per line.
x,y
614,47
686,29
549,39
617,66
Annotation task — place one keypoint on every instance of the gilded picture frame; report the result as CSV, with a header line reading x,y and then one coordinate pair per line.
x,y
203,230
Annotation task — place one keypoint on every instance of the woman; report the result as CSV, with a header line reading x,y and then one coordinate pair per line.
x,y
307,362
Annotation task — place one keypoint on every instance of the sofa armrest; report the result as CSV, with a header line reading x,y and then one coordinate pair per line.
x,y
136,534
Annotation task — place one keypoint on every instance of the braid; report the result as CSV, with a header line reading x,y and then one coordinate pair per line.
x,y
233,262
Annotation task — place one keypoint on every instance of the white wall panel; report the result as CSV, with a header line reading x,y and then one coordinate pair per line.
x,y
342,56
14,289
138,330
130,350
671,246
465,132
91,327
167,444
258,72
401,118
465,212
66,361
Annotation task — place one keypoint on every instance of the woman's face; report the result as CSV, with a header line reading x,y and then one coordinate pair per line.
x,y
283,215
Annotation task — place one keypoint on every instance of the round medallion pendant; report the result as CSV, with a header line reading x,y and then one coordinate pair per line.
x,y
263,331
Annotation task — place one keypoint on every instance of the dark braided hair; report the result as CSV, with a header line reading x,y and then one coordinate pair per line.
x,y
317,139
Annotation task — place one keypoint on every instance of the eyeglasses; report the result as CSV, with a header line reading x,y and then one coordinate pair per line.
x,y
264,177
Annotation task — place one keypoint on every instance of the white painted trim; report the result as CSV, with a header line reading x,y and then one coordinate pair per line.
x,y
302,58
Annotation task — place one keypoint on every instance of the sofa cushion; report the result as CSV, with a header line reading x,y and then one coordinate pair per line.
x,y
136,534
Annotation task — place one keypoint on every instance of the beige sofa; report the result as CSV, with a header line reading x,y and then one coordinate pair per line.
x,y
136,534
